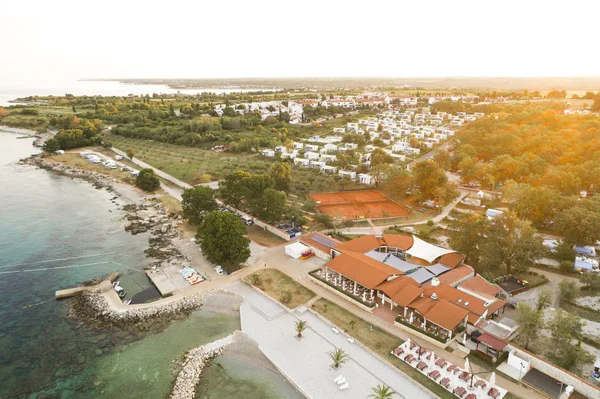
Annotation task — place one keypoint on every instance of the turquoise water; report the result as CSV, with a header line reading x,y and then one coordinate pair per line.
x,y
56,232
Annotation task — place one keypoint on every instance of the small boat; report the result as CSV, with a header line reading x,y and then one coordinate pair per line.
x,y
127,302
120,291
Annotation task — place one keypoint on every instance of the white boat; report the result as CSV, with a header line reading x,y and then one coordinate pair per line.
x,y
120,291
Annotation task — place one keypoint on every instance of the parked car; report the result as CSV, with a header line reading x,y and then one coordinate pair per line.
x,y
118,157
135,172
247,220
59,152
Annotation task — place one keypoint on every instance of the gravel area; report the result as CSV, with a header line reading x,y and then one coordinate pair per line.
x,y
592,302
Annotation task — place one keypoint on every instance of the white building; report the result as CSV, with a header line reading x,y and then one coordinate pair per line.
x,y
364,178
347,174
312,155
268,153
302,162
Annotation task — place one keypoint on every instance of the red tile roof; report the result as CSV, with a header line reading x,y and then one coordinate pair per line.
x,y
446,315
308,240
479,285
361,244
360,268
398,241
453,276
491,341
452,259
407,295
392,287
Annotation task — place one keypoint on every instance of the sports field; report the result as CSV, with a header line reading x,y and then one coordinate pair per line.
x,y
361,204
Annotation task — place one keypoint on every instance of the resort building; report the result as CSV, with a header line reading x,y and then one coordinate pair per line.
x,y
418,285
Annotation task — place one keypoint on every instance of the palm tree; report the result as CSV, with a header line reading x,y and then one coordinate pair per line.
x,y
301,325
382,392
338,356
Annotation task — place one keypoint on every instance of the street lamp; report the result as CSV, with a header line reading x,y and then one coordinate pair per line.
x,y
521,370
561,388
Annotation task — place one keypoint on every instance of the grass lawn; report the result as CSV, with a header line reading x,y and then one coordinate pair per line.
x,y
275,283
379,341
171,203
264,237
73,159
185,163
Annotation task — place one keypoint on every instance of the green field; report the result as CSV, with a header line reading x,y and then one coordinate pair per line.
x,y
185,163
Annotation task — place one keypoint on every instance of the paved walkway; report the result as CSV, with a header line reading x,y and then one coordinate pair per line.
x,y
306,361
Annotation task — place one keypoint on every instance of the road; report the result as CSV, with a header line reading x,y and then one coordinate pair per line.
x,y
430,154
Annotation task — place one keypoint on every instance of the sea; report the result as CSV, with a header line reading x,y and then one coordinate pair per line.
x,y
9,91
56,232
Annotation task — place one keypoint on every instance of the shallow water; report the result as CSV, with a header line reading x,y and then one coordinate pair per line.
x,y
56,232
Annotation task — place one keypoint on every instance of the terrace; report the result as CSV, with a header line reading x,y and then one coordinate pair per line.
x,y
419,323
346,286
460,381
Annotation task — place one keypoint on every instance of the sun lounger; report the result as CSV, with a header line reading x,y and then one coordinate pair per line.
x,y
434,375
351,340
464,376
452,368
409,358
398,351
494,393
338,378
480,383
335,330
459,391
445,382
421,365
441,363
471,396
344,386
412,345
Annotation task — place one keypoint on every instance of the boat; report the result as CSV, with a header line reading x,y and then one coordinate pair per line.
x,y
120,290
127,302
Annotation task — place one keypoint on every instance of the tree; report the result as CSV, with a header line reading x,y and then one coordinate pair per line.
x,y
567,290
510,244
233,188
3,112
530,321
544,300
147,180
196,202
579,225
566,332
51,146
256,185
74,109
270,206
432,182
281,173
300,326
202,178
382,392
130,153
171,110
467,235
338,356
222,238
595,106
590,280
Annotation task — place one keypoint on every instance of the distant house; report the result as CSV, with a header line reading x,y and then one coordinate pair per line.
x,y
328,158
302,161
364,178
492,213
268,153
351,146
400,146
329,169
317,164
298,146
312,155
339,130
347,174
311,147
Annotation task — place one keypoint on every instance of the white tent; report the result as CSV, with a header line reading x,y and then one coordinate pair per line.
x,y
296,250
424,250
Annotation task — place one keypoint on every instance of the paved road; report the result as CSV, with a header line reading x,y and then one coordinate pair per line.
x,y
430,154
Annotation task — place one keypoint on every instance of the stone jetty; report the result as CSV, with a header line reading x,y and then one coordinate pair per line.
x,y
193,363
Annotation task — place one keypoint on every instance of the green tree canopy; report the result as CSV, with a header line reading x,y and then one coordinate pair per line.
x,y
147,180
196,202
531,322
432,182
579,224
270,206
281,173
233,188
565,341
222,237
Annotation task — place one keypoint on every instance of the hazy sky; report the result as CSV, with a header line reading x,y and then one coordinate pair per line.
x,y
61,39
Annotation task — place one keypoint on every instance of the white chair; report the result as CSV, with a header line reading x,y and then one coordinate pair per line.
x,y
351,340
338,378
344,386
335,330
342,381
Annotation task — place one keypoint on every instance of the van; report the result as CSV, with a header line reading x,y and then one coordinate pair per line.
x,y
247,220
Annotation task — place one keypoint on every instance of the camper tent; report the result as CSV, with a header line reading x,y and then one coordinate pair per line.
x,y
297,250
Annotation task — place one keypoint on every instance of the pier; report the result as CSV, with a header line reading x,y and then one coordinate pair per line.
x,y
103,286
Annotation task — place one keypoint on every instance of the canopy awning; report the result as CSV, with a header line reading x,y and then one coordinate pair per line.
x,y
492,342
424,250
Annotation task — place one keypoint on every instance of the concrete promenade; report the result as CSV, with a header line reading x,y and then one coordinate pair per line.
x,y
306,361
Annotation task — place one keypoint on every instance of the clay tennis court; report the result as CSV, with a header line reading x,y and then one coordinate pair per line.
x,y
358,204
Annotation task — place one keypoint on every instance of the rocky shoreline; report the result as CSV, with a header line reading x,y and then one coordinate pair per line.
x,y
95,310
193,363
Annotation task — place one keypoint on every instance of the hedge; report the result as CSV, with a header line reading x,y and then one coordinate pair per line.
x,y
430,335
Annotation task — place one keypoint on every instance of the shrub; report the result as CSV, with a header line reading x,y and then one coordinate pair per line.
x,y
286,297
255,279
430,223
147,180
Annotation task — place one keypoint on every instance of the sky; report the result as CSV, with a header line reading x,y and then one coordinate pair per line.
x,y
61,39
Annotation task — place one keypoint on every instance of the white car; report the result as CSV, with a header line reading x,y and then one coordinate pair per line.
x,y
118,157
135,172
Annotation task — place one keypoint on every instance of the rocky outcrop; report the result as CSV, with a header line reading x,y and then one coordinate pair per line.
x,y
99,180
192,365
93,308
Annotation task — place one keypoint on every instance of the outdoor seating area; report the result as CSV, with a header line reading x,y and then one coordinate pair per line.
x,y
417,322
453,378
347,286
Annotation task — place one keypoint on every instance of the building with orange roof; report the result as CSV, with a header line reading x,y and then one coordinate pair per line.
x,y
426,287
